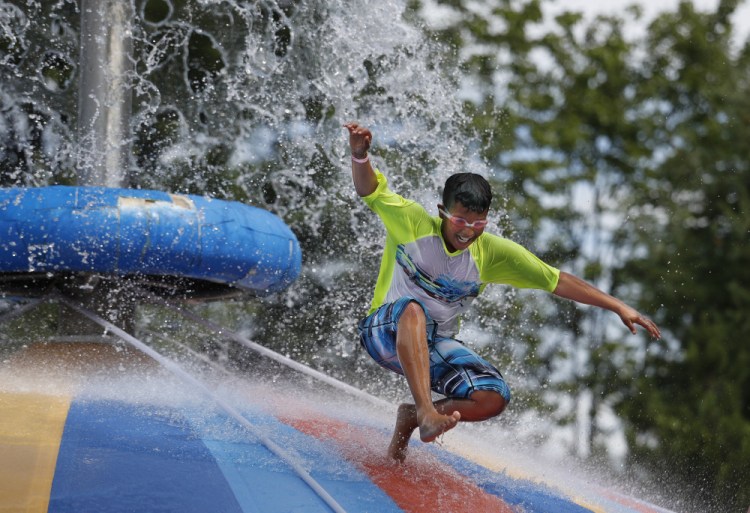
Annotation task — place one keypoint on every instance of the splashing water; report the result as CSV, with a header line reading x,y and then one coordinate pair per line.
x,y
242,100
246,100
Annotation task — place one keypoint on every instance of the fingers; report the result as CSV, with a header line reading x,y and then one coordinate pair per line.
x,y
355,129
350,126
649,325
653,329
360,137
646,323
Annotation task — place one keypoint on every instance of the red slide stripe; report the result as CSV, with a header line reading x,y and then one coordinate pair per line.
x,y
421,484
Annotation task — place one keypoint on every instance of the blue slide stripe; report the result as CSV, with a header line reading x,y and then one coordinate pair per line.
x,y
532,497
119,457
116,457
262,485
260,481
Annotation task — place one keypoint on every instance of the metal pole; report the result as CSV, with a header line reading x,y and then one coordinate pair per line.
x,y
105,97
104,135
290,459
23,309
283,360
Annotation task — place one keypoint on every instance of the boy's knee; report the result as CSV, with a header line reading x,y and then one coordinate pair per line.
x,y
490,403
413,313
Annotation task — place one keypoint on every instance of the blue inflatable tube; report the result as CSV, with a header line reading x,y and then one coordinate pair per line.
x,y
143,232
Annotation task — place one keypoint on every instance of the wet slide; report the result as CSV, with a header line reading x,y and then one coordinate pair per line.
x,y
103,427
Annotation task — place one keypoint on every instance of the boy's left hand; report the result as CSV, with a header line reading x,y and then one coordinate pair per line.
x,y
630,317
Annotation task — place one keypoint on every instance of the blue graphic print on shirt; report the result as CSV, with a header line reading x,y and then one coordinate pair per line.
x,y
443,288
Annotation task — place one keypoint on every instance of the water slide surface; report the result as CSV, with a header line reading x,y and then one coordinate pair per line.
x,y
101,427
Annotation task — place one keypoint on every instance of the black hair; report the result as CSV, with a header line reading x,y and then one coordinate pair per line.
x,y
469,189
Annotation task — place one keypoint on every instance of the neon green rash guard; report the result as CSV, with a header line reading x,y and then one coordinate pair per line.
x,y
417,264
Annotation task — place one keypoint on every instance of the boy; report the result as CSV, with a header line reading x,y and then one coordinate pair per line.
x,y
432,269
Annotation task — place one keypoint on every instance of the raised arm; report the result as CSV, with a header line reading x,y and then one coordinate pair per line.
x,y
363,175
572,287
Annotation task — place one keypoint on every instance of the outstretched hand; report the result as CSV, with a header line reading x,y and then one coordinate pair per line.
x,y
572,287
359,139
630,317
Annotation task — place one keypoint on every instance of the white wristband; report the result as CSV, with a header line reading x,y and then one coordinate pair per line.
x,y
361,161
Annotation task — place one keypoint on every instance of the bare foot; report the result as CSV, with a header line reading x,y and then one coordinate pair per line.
x,y
406,423
434,424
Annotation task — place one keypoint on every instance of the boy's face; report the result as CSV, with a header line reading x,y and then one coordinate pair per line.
x,y
461,226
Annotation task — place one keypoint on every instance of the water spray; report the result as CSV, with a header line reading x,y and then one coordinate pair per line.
x,y
290,459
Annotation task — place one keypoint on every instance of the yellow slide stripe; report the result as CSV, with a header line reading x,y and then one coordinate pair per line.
x,y
31,427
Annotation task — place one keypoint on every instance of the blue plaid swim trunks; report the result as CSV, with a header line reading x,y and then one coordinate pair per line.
x,y
455,370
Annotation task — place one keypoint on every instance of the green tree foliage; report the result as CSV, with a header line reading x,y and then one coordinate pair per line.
x,y
692,202
625,161
552,114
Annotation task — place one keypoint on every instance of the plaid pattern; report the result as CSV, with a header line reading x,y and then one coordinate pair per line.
x,y
455,370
